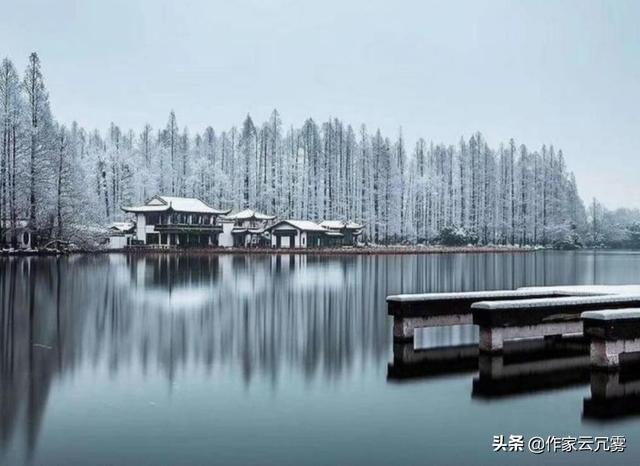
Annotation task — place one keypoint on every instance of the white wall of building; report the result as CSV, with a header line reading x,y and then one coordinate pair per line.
x,y
117,242
297,241
225,239
141,230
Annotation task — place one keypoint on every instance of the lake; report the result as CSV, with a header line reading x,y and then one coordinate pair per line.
x,y
288,360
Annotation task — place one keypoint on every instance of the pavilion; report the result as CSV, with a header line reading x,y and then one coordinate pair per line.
x,y
176,221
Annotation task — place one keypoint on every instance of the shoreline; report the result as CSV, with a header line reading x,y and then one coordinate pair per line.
x,y
377,250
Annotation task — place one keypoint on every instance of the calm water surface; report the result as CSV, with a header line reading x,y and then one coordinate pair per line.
x,y
287,360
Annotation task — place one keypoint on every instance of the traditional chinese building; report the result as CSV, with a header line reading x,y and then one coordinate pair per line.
x,y
176,221
247,228
121,234
297,234
341,233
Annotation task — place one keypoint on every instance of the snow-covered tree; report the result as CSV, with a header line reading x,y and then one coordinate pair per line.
x,y
61,178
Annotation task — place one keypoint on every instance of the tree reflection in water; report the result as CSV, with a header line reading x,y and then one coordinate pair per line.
x,y
260,315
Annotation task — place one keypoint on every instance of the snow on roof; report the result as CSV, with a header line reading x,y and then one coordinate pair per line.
x,y
178,204
612,314
248,230
339,225
146,208
304,225
248,214
190,204
121,226
333,224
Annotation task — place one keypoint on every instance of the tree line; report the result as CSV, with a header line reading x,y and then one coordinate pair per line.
x,y
67,181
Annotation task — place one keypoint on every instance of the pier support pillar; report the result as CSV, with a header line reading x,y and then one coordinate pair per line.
x,y
605,354
491,365
612,332
491,339
403,329
606,384
403,353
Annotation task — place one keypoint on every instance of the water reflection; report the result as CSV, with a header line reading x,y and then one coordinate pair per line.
x,y
260,317
524,367
532,366
410,364
614,395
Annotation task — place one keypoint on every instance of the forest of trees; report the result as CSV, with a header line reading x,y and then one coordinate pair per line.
x,y
66,181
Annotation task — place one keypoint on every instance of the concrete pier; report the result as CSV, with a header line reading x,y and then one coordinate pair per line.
x,y
412,311
500,321
529,313
613,333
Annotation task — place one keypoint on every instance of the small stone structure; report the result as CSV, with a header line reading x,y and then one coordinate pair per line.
x,y
120,234
22,237
511,320
507,314
613,332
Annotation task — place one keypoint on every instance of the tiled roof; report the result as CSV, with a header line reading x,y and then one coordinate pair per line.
x,y
178,204
249,214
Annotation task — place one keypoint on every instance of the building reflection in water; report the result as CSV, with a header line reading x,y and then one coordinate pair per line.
x,y
260,315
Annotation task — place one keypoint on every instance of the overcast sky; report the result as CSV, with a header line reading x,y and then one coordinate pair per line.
x,y
561,72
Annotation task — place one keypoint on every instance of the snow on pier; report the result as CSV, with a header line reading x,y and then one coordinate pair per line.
x,y
529,312
443,309
613,333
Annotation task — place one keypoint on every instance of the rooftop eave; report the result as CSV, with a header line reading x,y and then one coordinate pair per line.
x,y
145,209
169,208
